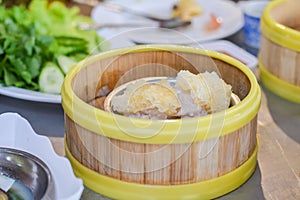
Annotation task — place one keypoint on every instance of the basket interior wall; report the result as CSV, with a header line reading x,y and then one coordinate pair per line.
x,y
116,70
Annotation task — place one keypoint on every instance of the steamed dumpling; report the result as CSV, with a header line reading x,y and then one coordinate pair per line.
x,y
191,96
148,100
206,89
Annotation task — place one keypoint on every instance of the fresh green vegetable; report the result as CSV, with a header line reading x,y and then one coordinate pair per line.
x,y
66,63
30,38
51,78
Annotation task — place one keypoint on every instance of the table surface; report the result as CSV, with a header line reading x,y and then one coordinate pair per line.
x,y
277,175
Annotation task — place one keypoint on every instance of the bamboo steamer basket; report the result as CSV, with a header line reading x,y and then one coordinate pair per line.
x,y
279,55
130,158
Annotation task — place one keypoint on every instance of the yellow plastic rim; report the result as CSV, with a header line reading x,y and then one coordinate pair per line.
x,y
281,88
276,32
208,189
193,129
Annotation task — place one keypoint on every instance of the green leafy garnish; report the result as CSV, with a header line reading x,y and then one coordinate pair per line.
x,y
33,36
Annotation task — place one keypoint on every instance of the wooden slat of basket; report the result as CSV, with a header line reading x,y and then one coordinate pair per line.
x,y
253,133
87,79
102,147
207,158
287,65
267,47
183,167
132,166
72,139
245,145
112,159
281,62
158,172
227,159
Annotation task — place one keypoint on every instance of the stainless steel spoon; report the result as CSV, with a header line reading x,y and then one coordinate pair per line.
x,y
94,26
174,24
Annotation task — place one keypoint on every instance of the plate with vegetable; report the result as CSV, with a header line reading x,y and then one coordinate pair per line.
x,y
38,45
209,20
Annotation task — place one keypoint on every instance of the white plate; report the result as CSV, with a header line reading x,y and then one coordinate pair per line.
x,y
230,13
17,133
30,95
229,48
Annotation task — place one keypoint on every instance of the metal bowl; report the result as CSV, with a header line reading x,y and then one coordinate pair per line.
x,y
27,170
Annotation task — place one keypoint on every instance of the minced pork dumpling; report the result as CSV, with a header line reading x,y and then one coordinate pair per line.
x,y
147,100
191,96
